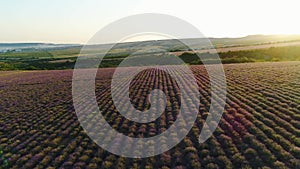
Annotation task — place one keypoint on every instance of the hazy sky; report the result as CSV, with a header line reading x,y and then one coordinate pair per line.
x,y
75,21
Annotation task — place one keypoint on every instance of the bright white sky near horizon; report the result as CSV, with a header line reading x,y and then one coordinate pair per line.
x,y
75,21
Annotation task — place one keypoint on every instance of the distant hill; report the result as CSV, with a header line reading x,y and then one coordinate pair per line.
x,y
174,45
254,40
27,46
170,44
253,48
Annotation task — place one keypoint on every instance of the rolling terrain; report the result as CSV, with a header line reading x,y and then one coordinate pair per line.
x,y
259,127
47,56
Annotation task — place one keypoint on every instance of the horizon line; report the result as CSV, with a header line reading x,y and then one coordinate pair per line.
x,y
72,43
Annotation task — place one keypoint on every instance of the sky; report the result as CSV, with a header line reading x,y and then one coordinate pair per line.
x,y
76,21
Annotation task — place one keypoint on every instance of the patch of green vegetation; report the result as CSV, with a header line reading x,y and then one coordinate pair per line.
x,y
25,55
273,54
289,53
66,58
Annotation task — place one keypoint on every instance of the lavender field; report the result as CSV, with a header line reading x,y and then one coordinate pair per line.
x,y
260,127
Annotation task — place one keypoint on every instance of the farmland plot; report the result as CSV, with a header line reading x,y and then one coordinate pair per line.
x,y
260,126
